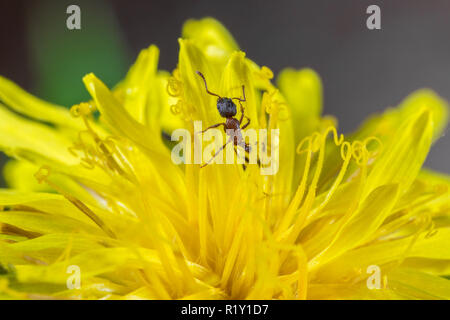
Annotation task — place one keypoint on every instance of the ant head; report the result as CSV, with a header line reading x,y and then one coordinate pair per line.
x,y
226,107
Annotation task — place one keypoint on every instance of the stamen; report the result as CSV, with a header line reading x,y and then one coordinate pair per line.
x,y
42,174
282,108
376,151
300,276
96,151
108,155
89,160
175,108
125,165
174,87
311,147
184,110
275,107
266,73
312,144
83,109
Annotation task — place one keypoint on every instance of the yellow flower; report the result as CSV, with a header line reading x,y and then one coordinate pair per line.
x,y
344,218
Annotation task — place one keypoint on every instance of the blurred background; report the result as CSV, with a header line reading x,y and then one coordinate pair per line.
x,y
363,71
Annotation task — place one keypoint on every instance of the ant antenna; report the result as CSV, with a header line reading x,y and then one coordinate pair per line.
x,y
206,86
243,92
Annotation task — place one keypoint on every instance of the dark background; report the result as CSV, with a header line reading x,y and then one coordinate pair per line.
x,y
363,71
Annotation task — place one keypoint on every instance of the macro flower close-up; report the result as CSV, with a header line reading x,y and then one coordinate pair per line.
x,y
96,208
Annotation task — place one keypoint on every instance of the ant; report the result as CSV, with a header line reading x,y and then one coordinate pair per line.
x,y
227,109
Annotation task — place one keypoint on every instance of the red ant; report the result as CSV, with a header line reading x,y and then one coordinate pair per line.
x,y
227,109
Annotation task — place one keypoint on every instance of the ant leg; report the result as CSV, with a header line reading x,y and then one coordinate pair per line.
x,y
246,125
213,126
246,147
215,155
242,112
243,115
245,157
241,100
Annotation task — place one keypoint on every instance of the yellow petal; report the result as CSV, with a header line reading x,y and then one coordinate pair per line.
x,y
211,37
385,125
434,177
303,92
414,284
19,135
191,60
359,227
404,154
432,266
346,291
434,247
19,175
78,243
140,85
44,202
91,263
23,102
426,98
389,125
45,223
118,118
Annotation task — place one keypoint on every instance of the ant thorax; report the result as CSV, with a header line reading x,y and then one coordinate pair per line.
x,y
232,123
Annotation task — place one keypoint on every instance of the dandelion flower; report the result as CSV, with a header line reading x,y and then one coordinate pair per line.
x,y
101,194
